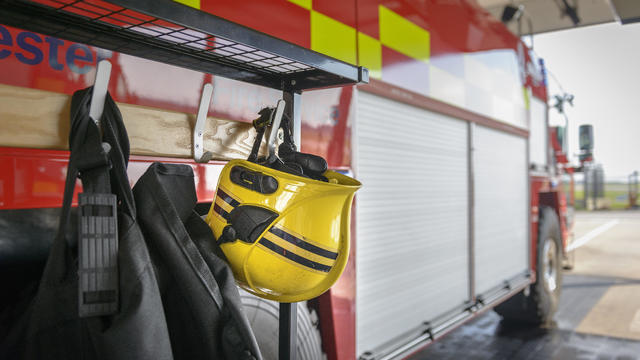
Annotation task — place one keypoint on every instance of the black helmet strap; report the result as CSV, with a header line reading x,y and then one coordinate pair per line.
x,y
289,159
260,124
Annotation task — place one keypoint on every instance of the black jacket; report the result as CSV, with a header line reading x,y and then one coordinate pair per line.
x,y
176,295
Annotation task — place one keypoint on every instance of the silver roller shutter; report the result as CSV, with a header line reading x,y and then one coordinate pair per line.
x,y
538,134
412,217
501,202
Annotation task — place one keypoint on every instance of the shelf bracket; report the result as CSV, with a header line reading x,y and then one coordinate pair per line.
x,y
275,127
293,100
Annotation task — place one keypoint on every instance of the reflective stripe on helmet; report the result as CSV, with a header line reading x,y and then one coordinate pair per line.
x,y
224,203
220,211
298,241
297,259
227,198
225,206
298,250
292,248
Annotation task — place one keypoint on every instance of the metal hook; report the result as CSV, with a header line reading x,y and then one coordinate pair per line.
x,y
275,126
99,94
199,155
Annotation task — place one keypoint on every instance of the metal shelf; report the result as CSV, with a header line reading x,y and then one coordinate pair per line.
x,y
172,33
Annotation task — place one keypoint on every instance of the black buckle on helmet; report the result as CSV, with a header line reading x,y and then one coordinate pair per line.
x,y
246,223
253,180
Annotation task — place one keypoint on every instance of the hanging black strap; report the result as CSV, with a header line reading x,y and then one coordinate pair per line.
x,y
101,165
100,160
84,138
260,124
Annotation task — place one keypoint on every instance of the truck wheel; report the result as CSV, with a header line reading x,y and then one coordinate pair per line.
x,y
263,318
538,305
569,260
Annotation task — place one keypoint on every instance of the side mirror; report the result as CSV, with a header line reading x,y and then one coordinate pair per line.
x,y
586,143
586,137
561,137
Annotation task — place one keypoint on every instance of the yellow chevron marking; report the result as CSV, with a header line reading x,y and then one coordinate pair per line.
x,y
302,3
370,55
527,97
333,38
403,36
192,3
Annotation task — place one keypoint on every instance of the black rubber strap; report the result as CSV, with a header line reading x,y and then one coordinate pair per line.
x,y
253,156
260,124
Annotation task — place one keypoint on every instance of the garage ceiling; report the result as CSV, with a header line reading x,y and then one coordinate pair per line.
x,y
550,15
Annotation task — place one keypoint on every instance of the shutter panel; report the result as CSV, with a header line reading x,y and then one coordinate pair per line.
x,y
501,204
412,217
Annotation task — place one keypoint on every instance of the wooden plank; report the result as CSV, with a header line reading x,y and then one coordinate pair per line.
x,y
40,119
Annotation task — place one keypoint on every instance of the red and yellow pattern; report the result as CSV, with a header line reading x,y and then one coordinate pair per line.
x,y
450,51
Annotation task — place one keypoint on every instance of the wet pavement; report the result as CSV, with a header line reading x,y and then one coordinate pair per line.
x,y
599,312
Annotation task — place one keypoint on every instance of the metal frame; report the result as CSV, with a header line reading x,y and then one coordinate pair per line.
x,y
287,331
288,321
531,242
172,33
434,329
471,211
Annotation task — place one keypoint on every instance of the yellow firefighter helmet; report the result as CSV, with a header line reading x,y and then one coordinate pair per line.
x,y
285,236
283,222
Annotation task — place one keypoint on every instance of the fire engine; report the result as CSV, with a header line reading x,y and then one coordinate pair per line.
x,y
462,208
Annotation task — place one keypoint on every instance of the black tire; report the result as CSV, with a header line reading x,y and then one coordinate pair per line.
x,y
569,259
539,304
263,317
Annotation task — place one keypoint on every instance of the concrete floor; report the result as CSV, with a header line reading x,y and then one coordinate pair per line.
x,y
599,313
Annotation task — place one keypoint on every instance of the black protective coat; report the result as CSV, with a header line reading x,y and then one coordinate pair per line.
x,y
180,302
202,304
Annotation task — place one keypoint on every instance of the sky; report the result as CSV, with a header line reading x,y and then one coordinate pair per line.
x,y
600,66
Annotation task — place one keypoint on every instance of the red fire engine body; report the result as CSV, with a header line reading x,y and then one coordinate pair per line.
x,y
450,140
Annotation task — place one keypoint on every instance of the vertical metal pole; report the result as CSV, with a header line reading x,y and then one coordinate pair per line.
x,y
635,194
471,213
595,185
630,179
585,186
527,173
288,330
